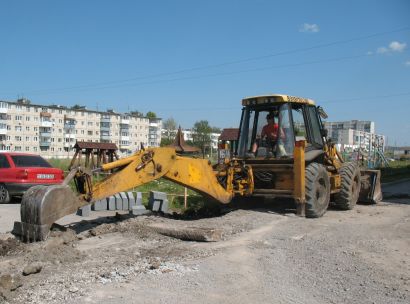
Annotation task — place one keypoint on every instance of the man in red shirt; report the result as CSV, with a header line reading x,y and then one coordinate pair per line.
x,y
270,132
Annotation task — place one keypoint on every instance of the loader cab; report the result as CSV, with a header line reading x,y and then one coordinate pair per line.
x,y
294,119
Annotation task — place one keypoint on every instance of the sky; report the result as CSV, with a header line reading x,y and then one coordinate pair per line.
x,y
196,60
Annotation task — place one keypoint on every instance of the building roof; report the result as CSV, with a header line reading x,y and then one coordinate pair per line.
x,y
95,145
229,134
181,146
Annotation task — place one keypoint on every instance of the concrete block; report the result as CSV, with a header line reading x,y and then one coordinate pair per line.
x,y
139,210
118,202
111,203
104,204
158,201
131,200
84,211
100,205
125,203
138,198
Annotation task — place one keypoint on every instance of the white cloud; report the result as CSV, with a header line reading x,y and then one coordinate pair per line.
x,y
394,47
369,53
407,63
309,28
382,50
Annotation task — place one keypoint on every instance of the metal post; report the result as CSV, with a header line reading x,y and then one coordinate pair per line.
x,y
299,177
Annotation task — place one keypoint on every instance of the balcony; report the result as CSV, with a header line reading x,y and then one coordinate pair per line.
x,y
124,145
125,138
45,143
70,135
105,118
124,127
46,123
45,133
69,126
104,128
125,121
105,137
4,109
3,129
153,124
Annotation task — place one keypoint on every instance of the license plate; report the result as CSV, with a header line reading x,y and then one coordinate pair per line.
x,y
45,176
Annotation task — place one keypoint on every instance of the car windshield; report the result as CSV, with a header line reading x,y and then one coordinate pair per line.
x,y
29,161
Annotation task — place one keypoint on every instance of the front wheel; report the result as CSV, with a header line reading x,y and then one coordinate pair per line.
x,y
347,198
317,190
4,194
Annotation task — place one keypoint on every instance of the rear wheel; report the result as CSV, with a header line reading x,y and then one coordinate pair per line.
x,y
347,198
4,194
317,190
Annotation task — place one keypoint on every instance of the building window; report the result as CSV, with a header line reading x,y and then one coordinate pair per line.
x,y
17,138
27,128
17,148
27,138
27,149
19,117
90,133
35,128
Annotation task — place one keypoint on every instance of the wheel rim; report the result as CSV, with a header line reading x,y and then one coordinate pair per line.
x,y
3,193
355,188
321,192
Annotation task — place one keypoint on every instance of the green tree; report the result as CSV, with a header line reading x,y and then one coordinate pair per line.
x,y
201,135
151,115
170,127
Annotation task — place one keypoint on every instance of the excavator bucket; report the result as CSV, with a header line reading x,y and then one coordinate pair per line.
x,y
370,191
40,207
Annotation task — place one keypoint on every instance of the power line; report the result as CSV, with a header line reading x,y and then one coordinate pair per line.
x,y
223,73
217,65
325,101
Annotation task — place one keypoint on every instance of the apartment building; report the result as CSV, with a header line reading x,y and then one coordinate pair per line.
x,y
52,130
354,134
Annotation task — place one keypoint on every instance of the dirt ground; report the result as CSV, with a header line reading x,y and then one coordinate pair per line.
x,y
267,255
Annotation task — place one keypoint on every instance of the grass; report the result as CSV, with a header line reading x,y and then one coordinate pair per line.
x,y
399,169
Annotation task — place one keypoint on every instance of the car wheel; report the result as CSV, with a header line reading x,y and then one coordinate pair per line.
x,y
4,194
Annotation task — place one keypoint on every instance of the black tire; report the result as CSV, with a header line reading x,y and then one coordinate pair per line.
x,y
4,194
317,190
348,196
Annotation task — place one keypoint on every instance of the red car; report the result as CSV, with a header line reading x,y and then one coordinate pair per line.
x,y
20,171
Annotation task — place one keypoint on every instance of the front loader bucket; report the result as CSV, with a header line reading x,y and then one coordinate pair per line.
x,y
41,206
370,191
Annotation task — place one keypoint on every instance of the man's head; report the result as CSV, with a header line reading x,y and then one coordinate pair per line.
x,y
270,118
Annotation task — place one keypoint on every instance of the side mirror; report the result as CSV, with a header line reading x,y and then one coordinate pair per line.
x,y
322,112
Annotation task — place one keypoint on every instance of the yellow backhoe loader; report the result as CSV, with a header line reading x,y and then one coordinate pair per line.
x,y
288,155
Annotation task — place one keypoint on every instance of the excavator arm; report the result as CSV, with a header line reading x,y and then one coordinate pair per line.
x,y
41,206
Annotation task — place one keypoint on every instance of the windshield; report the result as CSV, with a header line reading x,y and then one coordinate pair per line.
x,y
266,132
29,161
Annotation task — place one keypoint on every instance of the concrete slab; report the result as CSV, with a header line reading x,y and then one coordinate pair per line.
x,y
138,198
139,210
84,211
125,203
158,202
118,202
111,203
131,200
